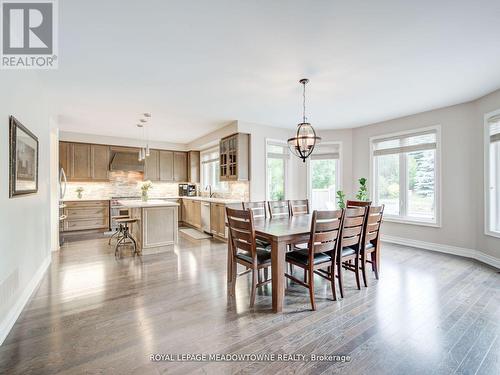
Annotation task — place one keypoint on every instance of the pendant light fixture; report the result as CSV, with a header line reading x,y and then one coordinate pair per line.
x,y
144,152
302,145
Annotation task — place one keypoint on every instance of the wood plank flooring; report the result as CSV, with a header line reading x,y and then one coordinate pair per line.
x,y
429,313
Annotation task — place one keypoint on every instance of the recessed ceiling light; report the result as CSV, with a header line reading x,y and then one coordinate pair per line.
x,y
147,114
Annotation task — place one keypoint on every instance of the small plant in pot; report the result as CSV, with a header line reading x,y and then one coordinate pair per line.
x,y
79,191
145,186
341,199
363,190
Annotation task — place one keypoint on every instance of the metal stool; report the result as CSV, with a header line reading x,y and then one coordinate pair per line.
x,y
126,235
119,231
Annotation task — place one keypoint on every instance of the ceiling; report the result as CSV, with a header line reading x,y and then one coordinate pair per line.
x,y
198,65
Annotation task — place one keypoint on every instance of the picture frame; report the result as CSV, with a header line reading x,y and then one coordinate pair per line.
x,y
23,160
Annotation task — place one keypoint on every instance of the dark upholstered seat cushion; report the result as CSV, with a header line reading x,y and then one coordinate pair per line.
x,y
263,255
263,243
347,251
369,246
302,257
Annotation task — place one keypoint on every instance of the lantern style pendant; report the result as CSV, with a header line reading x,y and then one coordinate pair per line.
x,y
302,145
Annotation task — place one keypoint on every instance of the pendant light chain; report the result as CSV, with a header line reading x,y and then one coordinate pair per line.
x,y
304,103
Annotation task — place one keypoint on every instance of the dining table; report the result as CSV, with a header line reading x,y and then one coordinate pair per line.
x,y
279,232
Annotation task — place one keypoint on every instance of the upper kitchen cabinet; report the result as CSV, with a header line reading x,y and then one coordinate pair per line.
x,y
83,161
194,167
180,166
152,166
166,165
234,157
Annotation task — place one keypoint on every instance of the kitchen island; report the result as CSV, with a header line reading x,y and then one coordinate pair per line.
x,y
157,223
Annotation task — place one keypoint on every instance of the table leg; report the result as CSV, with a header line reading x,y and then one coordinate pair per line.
x,y
278,274
229,265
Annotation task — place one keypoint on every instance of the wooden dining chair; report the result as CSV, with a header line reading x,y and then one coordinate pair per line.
x,y
371,241
259,209
351,238
279,208
319,257
245,250
353,204
299,207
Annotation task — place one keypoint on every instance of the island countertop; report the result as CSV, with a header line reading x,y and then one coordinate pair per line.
x,y
146,204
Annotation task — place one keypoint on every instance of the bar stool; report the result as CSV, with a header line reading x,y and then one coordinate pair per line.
x,y
126,235
119,231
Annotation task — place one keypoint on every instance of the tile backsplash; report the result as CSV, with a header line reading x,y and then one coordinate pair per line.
x,y
123,184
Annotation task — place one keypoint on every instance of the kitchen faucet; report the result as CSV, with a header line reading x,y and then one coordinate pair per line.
x,y
209,188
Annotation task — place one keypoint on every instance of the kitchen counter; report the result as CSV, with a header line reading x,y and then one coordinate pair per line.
x,y
148,203
206,199
85,200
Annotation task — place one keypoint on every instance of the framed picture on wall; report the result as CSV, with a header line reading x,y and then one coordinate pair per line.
x,y
23,160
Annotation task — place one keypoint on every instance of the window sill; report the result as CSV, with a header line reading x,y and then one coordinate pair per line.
x,y
492,234
411,222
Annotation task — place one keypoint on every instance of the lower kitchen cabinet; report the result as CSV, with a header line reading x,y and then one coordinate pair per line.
x,y
218,219
191,212
86,215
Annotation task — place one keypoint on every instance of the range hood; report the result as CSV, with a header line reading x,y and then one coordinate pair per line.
x,y
125,160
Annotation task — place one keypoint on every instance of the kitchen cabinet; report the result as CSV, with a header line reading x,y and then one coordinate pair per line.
x,y
180,166
100,162
84,162
166,166
151,166
194,167
86,215
234,157
218,219
191,212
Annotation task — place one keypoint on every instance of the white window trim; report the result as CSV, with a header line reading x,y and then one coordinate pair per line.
x,y
487,205
203,184
338,177
281,142
438,186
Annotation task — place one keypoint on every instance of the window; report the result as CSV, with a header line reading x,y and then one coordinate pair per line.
x,y
276,166
492,173
324,176
406,177
210,170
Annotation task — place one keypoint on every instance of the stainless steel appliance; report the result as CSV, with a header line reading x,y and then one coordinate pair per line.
x,y
63,182
187,190
117,209
205,217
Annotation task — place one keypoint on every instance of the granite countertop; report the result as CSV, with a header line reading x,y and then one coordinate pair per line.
x,y
149,203
84,199
162,199
214,200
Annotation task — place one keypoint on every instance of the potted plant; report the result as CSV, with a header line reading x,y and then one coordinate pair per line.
x,y
341,199
145,186
79,191
363,190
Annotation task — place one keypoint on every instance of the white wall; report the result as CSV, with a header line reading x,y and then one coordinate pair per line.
x,y
296,174
461,170
24,221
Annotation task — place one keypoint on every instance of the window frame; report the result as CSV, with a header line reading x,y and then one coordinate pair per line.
x,y
270,141
338,173
403,171
219,188
487,162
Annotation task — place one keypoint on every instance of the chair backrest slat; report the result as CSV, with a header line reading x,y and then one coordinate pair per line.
x,y
352,204
258,208
325,232
241,230
373,222
279,208
353,225
299,207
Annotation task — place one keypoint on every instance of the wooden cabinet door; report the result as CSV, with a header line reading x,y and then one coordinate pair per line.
x,y
196,219
166,166
194,167
100,162
151,167
221,227
180,166
213,218
64,161
80,155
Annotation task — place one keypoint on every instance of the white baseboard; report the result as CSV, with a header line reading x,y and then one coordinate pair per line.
x,y
454,250
11,318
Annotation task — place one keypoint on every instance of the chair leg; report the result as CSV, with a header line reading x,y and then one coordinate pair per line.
x,y
363,270
375,263
266,273
305,275
331,271
110,238
233,279
339,271
254,287
356,272
311,289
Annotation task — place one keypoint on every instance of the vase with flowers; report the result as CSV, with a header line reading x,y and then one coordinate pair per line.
x,y
145,186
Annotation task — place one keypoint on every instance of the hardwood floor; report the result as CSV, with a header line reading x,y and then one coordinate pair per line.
x,y
429,313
